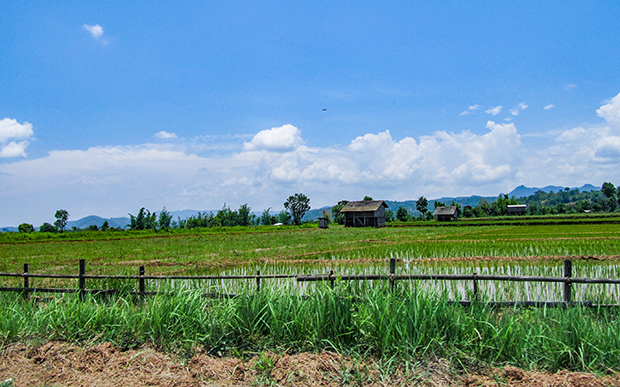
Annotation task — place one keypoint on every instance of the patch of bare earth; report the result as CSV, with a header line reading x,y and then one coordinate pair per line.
x,y
60,364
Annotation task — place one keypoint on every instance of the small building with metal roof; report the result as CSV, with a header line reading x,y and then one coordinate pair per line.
x,y
446,214
366,213
517,209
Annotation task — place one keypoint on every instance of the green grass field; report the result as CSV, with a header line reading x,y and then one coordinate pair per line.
x,y
212,250
360,318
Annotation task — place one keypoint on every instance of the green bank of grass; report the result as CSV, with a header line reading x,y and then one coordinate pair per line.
x,y
408,325
209,250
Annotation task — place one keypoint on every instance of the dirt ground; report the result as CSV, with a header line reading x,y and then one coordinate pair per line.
x,y
60,364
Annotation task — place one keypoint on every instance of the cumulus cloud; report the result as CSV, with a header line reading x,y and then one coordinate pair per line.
x,y
548,107
95,31
517,109
14,149
165,135
11,129
284,138
470,109
274,163
570,86
494,111
611,111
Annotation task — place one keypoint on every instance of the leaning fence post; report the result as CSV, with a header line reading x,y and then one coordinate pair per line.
x,y
26,280
332,282
568,286
392,271
142,284
258,281
475,296
81,279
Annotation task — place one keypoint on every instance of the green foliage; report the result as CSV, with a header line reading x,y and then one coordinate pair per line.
x,y
25,228
284,217
402,214
367,198
266,219
437,204
144,220
338,217
298,204
105,226
422,205
164,219
243,215
61,220
608,190
46,227
389,215
376,322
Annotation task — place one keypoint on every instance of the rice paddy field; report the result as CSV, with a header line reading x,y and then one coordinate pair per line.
x,y
414,320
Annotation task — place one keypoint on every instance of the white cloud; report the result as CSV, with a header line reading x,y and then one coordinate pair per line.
x,y
284,138
11,129
95,31
519,108
14,149
470,109
570,86
611,111
275,163
548,107
494,111
165,135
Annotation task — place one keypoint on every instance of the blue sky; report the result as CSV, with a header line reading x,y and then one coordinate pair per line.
x,y
110,106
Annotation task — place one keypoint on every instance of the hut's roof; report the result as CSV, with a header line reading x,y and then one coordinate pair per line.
x,y
448,210
517,206
363,206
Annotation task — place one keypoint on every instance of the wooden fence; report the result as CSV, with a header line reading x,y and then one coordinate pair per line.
x,y
568,280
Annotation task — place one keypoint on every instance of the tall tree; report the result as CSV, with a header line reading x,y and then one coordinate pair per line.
x,y
164,219
298,205
266,219
244,215
402,214
336,214
422,205
609,190
61,220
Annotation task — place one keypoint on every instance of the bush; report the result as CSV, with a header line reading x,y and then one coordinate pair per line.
x,y
25,227
46,227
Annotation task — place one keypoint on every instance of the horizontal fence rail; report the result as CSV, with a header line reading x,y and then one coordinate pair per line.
x,y
475,278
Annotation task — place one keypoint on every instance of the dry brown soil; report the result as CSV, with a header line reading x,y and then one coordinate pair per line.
x,y
60,364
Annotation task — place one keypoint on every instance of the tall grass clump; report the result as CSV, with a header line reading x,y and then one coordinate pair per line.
x,y
372,321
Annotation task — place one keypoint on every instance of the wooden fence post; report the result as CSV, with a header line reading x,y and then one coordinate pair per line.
x,y
568,286
258,281
392,272
142,284
332,282
475,296
81,279
26,280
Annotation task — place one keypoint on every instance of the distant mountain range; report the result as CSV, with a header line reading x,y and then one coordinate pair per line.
x,y
315,213
523,191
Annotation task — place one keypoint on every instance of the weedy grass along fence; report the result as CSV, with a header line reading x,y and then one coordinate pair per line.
x,y
467,280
